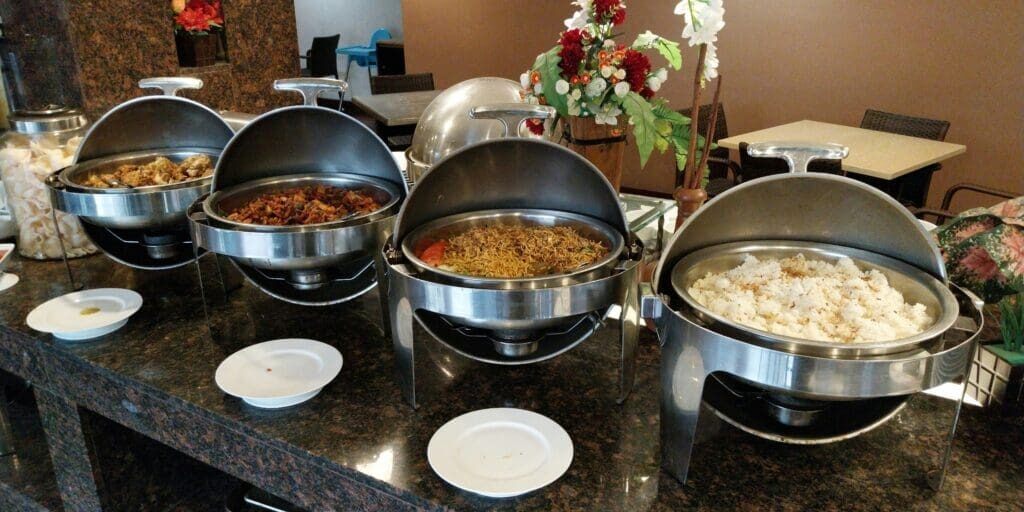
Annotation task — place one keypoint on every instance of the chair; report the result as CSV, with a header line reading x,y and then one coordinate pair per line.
x,y
944,212
912,189
399,138
390,57
321,58
364,56
401,83
719,166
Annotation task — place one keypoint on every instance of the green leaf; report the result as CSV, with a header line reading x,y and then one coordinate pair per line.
x,y
662,111
642,117
670,50
547,65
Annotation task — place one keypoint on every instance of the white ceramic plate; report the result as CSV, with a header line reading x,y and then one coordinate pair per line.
x,y
279,373
501,452
85,314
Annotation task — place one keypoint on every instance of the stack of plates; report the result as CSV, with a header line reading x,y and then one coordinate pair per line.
x,y
85,314
500,453
6,280
279,373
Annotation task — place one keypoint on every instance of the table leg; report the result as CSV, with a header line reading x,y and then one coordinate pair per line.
x,y
72,464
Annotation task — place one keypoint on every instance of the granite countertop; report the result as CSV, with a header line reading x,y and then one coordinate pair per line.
x,y
359,426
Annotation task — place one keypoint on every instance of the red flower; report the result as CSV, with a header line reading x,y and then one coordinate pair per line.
x,y
610,10
572,52
536,126
637,67
647,93
200,16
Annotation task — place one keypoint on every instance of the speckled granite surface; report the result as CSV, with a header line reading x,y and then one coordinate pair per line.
x,y
358,446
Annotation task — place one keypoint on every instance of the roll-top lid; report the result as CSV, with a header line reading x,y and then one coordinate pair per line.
x,y
809,207
304,139
154,122
511,174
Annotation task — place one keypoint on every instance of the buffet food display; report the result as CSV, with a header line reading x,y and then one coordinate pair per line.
x,y
159,171
302,206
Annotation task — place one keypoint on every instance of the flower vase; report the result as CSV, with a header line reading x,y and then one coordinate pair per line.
x,y
688,201
196,50
602,144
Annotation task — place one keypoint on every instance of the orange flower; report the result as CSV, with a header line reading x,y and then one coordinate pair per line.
x,y
535,77
585,79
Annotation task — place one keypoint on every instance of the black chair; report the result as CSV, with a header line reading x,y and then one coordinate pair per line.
x,y
722,172
401,83
399,138
944,212
911,189
390,57
322,57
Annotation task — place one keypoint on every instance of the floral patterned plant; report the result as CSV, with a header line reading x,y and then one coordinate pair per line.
x,y
984,249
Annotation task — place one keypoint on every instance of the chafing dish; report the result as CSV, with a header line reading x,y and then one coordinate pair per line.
x,y
783,388
293,147
516,321
143,227
447,126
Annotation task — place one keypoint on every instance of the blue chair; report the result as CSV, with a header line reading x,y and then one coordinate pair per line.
x,y
364,56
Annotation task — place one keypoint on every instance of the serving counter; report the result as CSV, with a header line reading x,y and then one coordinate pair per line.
x,y
359,446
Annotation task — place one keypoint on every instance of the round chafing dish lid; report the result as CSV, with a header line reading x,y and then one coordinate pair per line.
x,y
55,120
154,122
808,207
511,174
302,140
446,126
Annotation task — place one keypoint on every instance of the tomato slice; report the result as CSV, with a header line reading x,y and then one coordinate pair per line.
x,y
433,255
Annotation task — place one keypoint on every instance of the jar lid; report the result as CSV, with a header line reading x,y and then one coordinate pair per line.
x,y
51,120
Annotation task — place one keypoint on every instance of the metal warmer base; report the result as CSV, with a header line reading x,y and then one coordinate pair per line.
x,y
437,307
696,361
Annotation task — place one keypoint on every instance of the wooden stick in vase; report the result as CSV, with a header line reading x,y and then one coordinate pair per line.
x,y
688,171
699,175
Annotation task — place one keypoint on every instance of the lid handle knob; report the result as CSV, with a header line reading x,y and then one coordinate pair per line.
x,y
170,85
311,88
798,154
511,115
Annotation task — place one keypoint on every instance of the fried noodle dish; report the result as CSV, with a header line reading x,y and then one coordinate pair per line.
x,y
511,252
313,204
158,172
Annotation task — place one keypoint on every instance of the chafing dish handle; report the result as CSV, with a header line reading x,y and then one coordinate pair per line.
x,y
170,85
797,154
311,88
511,115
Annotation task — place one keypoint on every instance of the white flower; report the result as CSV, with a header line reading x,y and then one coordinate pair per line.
x,y
703,20
609,43
646,40
609,117
596,87
524,80
576,93
606,71
579,18
621,89
562,87
533,100
620,74
711,63
538,88
653,83
661,74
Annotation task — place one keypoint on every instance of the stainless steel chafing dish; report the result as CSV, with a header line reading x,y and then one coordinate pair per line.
x,y
292,147
446,125
510,321
143,227
784,388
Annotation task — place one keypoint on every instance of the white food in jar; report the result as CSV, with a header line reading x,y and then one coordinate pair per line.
x,y
25,162
812,300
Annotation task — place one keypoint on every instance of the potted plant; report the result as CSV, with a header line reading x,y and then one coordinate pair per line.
x,y
196,27
601,88
984,252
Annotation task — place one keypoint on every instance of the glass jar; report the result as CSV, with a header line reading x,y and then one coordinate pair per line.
x,y
37,145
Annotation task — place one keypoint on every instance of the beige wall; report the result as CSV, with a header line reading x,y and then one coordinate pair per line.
x,y
786,60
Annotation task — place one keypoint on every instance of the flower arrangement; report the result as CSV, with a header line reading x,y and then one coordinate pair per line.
x,y
589,74
197,17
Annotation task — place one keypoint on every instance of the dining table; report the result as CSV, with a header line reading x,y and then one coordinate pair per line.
x,y
873,153
396,109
